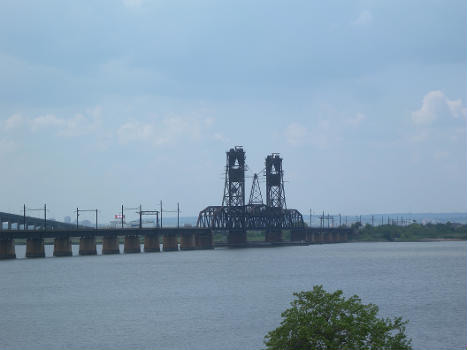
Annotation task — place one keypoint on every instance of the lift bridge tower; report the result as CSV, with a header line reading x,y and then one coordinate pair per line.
x,y
275,197
233,201
235,217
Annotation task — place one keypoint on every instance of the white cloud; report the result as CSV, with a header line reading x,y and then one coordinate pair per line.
x,y
45,121
357,119
296,134
436,105
364,18
166,130
15,121
77,125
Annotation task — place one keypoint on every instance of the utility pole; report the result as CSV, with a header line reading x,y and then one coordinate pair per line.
x,y
310,217
178,215
122,215
77,214
96,219
161,213
45,217
140,217
340,220
24,217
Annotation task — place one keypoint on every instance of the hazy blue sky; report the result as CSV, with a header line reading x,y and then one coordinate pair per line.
x,y
134,101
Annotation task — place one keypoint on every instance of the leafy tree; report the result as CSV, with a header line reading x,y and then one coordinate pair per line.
x,y
322,320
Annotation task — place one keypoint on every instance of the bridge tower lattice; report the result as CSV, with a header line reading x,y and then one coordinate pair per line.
x,y
234,190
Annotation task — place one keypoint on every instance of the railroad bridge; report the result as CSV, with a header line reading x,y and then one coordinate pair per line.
x,y
234,217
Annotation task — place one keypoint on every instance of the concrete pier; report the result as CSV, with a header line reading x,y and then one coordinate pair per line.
x,y
87,246
345,236
35,248
131,245
237,238
273,236
7,249
169,243
337,237
205,240
62,246
151,244
187,241
297,235
110,245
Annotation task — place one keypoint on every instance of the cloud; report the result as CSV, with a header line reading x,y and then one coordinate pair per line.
x,y
357,119
15,121
364,18
165,131
436,105
77,125
296,134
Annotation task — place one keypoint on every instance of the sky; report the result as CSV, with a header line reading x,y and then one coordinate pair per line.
x,y
104,103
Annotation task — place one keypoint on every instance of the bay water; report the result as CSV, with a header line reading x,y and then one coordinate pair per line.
x,y
224,298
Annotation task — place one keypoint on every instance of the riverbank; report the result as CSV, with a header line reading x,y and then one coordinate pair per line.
x,y
410,233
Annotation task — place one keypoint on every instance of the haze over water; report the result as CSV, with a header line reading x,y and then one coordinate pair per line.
x,y
224,299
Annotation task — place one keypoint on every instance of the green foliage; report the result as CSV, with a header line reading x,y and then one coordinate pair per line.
x,y
412,232
322,320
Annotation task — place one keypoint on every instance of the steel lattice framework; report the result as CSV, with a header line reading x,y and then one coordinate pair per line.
x,y
275,194
234,215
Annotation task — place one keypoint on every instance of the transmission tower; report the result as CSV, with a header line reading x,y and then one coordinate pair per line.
x,y
255,193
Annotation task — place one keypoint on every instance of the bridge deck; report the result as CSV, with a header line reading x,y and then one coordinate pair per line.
x,y
90,232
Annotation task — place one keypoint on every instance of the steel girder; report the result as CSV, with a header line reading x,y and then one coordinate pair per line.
x,y
257,217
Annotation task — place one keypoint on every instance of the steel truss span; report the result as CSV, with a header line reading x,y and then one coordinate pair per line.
x,y
257,217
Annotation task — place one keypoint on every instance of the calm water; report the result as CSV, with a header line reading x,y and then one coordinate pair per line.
x,y
224,299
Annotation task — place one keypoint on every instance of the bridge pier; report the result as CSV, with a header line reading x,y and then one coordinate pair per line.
x,y
7,249
314,237
297,235
87,245
345,236
237,238
273,236
337,237
151,244
35,248
187,241
205,240
169,243
132,245
110,245
62,246
321,238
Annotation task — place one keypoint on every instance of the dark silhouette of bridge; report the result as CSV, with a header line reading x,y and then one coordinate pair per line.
x,y
233,217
